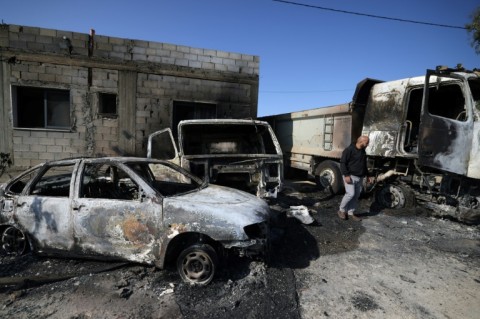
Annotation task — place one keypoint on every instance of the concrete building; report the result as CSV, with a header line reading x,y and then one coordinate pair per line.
x,y
66,94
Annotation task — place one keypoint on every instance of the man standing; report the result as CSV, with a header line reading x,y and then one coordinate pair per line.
x,y
353,166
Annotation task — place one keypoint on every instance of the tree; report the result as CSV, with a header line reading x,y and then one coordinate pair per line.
x,y
474,29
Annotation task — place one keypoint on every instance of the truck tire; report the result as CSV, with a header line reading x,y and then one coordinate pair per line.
x,y
329,178
395,196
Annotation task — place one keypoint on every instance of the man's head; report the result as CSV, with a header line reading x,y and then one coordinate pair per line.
x,y
362,142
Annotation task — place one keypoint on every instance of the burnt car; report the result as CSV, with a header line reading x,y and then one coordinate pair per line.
x,y
136,209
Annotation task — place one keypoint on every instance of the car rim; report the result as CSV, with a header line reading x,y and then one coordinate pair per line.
x,y
13,241
197,266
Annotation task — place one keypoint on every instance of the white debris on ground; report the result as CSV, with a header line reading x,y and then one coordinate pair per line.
x,y
301,213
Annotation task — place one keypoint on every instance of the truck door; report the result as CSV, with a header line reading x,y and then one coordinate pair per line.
x,y
445,135
161,145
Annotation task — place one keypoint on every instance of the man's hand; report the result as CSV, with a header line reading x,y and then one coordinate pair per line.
x,y
348,179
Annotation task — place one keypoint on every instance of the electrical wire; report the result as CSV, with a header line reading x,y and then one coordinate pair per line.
x,y
303,92
371,15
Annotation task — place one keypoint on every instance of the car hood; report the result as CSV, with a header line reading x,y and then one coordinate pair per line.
x,y
216,205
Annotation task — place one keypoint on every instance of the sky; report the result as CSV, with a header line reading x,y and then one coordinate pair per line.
x,y
309,57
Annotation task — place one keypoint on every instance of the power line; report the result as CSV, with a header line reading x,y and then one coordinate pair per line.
x,y
371,15
302,92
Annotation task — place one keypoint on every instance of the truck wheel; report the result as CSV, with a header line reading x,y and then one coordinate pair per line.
x,y
13,241
197,264
395,196
328,177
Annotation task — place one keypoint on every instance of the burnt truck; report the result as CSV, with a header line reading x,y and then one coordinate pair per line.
x,y
424,140
244,154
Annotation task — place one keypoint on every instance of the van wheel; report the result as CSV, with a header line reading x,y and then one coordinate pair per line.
x,y
328,177
395,196
13,241
197,264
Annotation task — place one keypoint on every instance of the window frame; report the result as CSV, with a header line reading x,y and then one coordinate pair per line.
x,y
433,108
101,111
46,103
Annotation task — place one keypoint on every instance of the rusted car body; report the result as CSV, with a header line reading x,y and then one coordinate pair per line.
x,y
424,140
238,153
141,210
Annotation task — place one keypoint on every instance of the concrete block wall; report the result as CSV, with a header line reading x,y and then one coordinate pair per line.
x,y
105,129
155,96
90,134
49,40
34,146
163,73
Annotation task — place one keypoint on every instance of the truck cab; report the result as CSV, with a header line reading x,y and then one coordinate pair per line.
x,y
243,154
425,140
433,119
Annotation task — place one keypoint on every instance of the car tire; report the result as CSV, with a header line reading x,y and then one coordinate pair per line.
x,y
13,241
329,178
197,264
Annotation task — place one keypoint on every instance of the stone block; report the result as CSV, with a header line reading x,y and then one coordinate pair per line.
x,y
29,76
48,32
43,39
63,79
30,30
222,54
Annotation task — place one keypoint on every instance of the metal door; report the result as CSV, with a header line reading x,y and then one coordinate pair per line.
x,y
445,135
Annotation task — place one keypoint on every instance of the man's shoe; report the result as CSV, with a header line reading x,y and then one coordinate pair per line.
x,y
342,215
355,218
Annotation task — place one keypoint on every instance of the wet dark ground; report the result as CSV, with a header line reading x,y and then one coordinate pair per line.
x,y
242,288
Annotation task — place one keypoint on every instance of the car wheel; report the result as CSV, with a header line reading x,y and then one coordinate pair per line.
x,y
395,196
13,241
328,177
197,264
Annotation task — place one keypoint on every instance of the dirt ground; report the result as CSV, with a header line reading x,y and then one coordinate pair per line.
x,y
393,264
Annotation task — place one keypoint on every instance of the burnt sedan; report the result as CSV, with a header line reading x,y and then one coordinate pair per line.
x,y
140,210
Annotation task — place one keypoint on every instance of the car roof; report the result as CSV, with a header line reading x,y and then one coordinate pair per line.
x,y
118,159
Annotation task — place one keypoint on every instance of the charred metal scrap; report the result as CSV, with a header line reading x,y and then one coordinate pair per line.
x,y
243,154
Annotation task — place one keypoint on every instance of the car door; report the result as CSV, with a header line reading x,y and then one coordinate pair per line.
x,y
113,213
161,145
44,211
445,135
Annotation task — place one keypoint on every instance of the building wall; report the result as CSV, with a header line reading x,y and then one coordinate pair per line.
x,y
147,77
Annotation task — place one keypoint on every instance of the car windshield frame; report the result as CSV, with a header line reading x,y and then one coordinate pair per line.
x,y
148,176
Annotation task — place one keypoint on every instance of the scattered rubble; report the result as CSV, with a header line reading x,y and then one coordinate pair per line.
x,y
381,267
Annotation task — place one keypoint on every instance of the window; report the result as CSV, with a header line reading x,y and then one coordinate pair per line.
x,y
169,181
55,181
41,108
107,104
227,139
447,101
18,186
109,182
